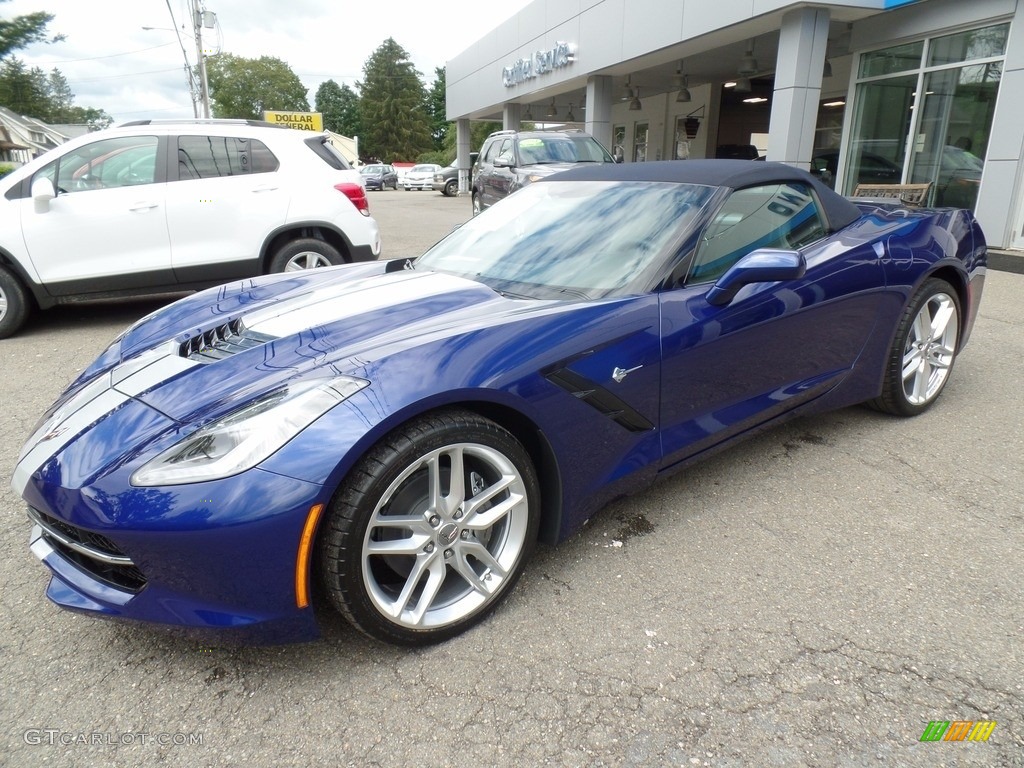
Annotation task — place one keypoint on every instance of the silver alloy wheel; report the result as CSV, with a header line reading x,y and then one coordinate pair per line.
x,y
477,208
445,536
3,303
930,348
306,260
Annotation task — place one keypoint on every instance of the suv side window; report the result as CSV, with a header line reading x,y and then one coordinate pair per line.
x,y
490,152
105,164
206,157
770,216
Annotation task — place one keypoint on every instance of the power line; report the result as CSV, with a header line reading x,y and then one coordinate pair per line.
x,y
108,56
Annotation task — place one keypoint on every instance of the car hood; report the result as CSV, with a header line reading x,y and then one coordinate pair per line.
x,y
240,341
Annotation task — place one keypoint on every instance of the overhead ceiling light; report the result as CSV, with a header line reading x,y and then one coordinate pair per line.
x,y
743,85
627,92
827,69
730,84
552,110
682,83
834,104
755,100
528,115
570,117
635,104
748,64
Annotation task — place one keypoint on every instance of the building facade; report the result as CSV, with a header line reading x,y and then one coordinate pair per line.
x,y
856,91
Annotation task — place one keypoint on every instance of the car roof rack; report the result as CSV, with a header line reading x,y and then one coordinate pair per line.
x,y
203,121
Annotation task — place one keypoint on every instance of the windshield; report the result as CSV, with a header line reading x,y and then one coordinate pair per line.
x,y
424,168
372,170
561,149
584,238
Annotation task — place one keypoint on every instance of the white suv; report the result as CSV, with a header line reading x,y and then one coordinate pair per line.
x,y
155,207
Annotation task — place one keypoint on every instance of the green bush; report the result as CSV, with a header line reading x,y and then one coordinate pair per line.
x,y
6,168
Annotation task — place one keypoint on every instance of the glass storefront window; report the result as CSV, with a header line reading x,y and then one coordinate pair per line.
x,y
891,60
983,43
640,143
953,132
918,122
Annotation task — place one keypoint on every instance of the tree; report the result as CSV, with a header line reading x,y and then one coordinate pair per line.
x,y
33,93
396,124
436,105
340,107
22,31
244,88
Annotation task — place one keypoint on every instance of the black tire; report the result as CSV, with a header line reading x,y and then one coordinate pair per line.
x,y
14,304
917,368
477,206
455,560
451,188
307,250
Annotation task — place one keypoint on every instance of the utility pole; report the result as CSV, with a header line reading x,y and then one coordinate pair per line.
x,y
204,86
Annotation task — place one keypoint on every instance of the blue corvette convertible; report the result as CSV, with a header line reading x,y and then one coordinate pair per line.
x,y
399,434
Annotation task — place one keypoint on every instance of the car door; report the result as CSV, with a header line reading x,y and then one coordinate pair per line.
x,y
227,194
106,229
728,368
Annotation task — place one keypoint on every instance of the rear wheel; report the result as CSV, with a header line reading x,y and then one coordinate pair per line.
x,y
14,304
923,351
431,530
306,253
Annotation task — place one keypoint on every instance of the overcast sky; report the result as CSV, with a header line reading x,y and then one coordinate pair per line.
x,y
113,64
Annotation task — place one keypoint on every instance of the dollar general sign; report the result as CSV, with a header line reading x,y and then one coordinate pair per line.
x,y
303,121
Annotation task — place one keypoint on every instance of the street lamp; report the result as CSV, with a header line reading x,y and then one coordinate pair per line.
x,y
192,89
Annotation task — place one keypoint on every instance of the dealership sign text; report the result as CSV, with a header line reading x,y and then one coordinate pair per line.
x,y
540,63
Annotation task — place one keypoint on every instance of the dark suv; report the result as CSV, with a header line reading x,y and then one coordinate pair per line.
x,y
512,159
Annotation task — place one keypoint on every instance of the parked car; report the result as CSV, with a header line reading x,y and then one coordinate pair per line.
x,y
420,176
509,160
379,176
155,207
402,433
871,168
446,181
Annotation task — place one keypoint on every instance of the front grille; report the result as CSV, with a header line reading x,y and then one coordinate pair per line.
x,y
92,552
222,341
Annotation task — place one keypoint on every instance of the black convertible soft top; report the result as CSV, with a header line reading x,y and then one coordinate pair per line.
x,y
733,174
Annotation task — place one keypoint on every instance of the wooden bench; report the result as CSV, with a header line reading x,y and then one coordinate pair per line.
x,y
908,194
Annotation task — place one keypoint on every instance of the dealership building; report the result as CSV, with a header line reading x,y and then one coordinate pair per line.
x,y
857,91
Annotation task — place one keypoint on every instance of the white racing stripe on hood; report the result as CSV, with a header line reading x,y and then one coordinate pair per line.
x,y
346,300
96,400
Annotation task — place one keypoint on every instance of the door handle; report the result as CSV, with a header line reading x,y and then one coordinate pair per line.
x,y
264,188
142,206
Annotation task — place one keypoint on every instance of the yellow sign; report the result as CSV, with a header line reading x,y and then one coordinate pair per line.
x,y
303,121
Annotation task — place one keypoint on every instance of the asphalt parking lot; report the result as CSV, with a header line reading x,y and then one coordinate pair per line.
x,y
814,597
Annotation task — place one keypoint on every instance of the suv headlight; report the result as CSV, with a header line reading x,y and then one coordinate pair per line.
x,y
247,436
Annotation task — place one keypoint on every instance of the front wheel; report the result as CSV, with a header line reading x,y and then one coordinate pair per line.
x,y
451,188
431,530
923,351
306,253
14,304
477,207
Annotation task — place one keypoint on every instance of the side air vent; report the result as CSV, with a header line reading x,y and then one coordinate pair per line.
x,y
222,341
599,398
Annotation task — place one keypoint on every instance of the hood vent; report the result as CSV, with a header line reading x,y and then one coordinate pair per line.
x,y
223,341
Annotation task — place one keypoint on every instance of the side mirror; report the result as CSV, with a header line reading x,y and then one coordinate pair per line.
x,y
766,265
504,161
42,193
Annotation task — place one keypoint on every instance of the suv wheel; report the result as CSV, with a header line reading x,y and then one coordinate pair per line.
x,y
14,305
307,253
451,188
476,204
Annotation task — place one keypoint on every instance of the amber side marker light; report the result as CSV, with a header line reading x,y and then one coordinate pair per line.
x,y
302,561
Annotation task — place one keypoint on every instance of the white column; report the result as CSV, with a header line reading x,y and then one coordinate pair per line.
x,y
802,44
599,109
510,116
462,150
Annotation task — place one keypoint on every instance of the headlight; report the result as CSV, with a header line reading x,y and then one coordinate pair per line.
x,y
244,438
